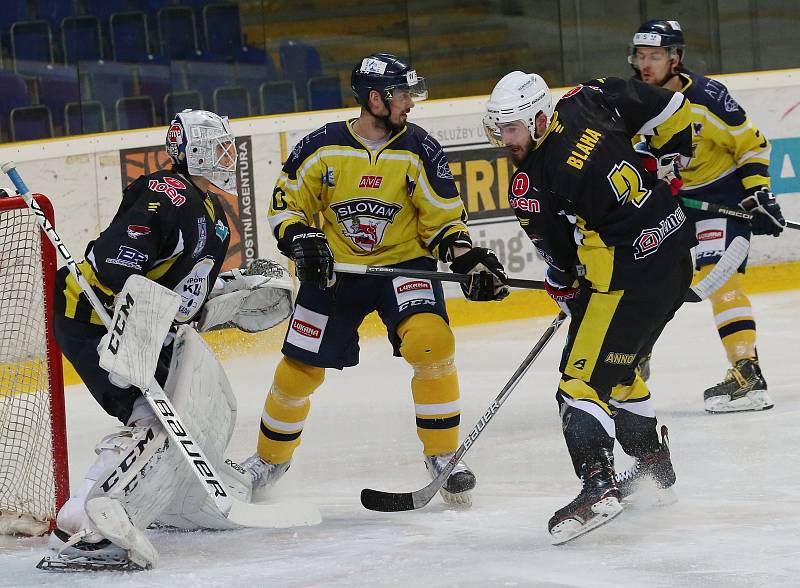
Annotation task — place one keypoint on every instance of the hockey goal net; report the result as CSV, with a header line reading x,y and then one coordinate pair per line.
x,y
34,480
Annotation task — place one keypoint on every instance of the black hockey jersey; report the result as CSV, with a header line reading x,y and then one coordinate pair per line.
x,y
583,196
165,229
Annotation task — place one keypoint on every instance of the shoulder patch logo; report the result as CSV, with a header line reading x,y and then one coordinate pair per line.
x,y
221,230
136,231
170,187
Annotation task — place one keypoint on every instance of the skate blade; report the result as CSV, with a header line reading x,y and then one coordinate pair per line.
x,y
605,510
460,500
54,564
752,401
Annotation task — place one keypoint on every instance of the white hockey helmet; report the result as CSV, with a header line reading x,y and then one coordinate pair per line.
x,y
517,96
208,147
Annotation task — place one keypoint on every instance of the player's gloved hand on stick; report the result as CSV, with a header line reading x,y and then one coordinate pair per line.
x,y
664,167
488,278
767,219
564,295
312,256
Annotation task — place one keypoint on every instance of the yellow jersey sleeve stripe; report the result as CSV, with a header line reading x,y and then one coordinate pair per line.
x,y
675,103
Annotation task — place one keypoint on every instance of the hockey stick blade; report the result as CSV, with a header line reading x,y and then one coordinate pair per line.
x,y
728,265
274,516
403,501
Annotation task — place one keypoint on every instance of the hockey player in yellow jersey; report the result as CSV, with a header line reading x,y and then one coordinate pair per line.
x,y
386,195
729,166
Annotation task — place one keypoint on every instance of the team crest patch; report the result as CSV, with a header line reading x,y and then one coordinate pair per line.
x,y
364,220
221,230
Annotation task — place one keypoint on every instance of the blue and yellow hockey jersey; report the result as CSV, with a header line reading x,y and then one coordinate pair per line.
x,y
724,141
382,207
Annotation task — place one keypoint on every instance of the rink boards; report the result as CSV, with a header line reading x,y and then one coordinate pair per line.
x,y
84,177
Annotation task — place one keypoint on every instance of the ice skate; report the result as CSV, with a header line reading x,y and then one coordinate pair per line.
x,y
743,388
656,468
76,554
265,475
461,481
597,503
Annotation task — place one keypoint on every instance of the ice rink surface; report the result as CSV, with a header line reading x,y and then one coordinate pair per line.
x,y
736,524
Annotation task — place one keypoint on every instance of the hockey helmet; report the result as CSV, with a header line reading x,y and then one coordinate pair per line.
x,y
658,33
201,143
517,96
387,74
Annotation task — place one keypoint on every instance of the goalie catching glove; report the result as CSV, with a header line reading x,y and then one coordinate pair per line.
x,y
254,299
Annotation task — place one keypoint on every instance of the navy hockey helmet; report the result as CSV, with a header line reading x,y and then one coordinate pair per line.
x,y
387,74
658,33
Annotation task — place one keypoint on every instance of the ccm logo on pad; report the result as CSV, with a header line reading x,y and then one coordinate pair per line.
x,y
370,182
306,329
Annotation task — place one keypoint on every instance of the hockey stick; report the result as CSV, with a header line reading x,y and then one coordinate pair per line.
x,y
727,265
727,211
238,512
399,501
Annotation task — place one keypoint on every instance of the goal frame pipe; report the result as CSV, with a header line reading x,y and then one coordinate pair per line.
x,y
55,380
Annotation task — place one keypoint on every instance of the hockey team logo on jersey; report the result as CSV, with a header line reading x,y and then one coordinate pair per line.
x,y
201,238
520,184
649,240
221,230
364,220
128,257
136,231
170,187
373,182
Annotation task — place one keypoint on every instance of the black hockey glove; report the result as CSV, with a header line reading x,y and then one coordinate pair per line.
x,y
312,255
487,276
767,219
565,296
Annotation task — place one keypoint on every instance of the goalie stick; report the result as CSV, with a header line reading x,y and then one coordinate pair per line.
x,y
399,501
730,261
727,211
238,512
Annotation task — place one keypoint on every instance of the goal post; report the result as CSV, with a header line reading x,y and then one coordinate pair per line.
x,y
34,472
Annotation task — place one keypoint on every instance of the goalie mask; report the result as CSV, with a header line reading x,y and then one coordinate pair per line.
x,y
518,96
200,143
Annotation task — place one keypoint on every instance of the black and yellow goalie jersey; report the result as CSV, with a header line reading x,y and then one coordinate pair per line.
x,y
165,229
385,206
584,180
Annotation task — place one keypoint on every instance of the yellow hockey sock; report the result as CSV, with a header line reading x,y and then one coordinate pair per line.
x,y
286,408
428,346
733,315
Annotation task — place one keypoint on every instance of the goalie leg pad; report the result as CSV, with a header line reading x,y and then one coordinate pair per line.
x,y
202,395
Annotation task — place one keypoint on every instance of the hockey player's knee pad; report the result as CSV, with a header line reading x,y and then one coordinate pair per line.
x,y
428,345
296,381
